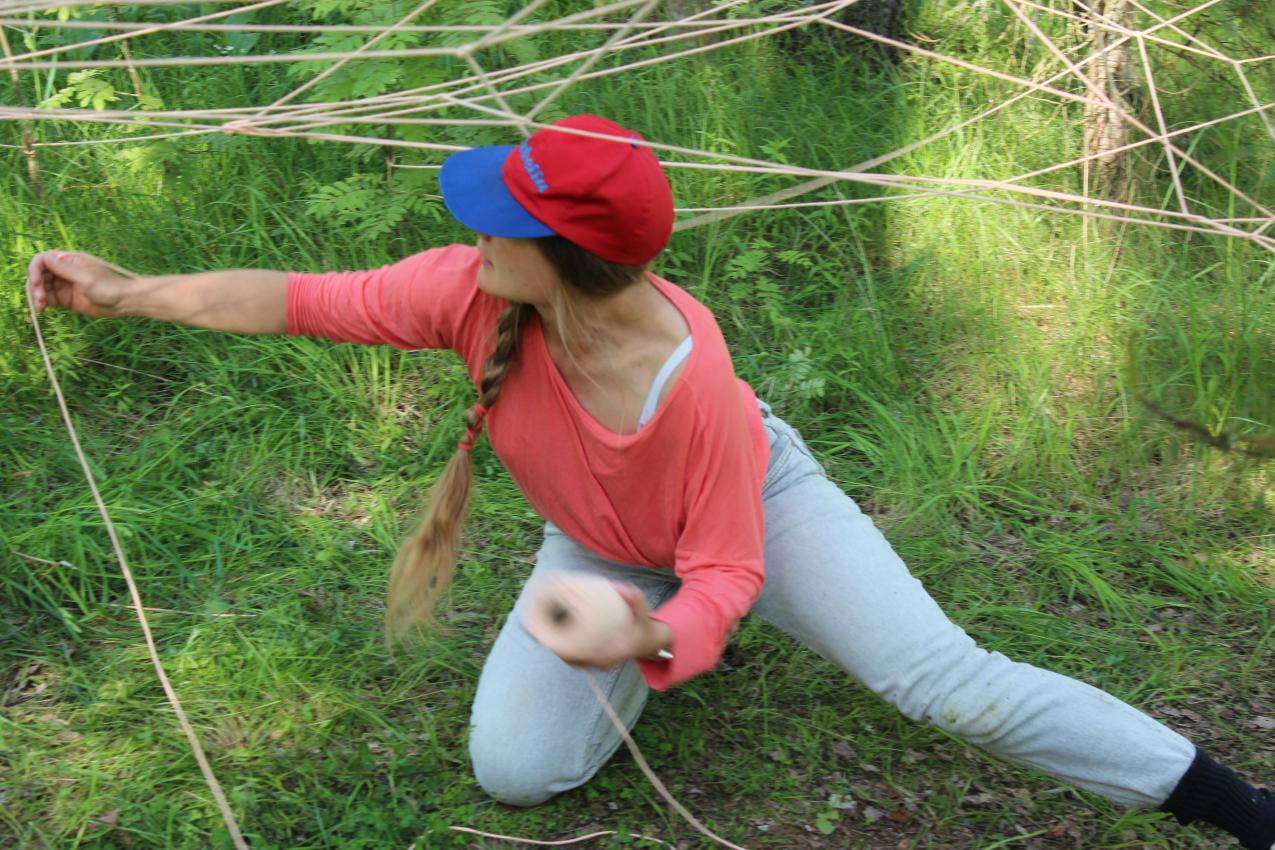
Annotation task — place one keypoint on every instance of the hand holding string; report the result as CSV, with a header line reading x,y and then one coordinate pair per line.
x,y
78,282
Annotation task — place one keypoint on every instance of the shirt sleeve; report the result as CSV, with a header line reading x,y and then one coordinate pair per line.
x,y
719,553
428,300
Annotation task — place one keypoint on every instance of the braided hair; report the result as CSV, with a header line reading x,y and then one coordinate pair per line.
x,y
426,560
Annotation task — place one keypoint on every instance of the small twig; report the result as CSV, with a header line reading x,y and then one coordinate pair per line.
x,y
562,843
42,560
1261,445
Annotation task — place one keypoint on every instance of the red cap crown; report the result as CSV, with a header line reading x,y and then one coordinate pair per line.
x,y
609,197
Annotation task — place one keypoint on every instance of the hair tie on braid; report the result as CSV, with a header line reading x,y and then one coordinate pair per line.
x,y
473,431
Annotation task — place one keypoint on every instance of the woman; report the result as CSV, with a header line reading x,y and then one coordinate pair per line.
x,y
609,394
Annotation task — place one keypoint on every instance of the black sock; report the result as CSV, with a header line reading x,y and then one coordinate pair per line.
x,y
1214,794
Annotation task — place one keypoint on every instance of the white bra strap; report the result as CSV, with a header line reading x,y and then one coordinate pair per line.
x,y
657,388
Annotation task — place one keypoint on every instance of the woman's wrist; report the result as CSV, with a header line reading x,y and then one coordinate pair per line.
x,y
657,638
168,298
135,297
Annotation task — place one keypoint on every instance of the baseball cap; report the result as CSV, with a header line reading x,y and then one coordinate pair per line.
x,y
609,197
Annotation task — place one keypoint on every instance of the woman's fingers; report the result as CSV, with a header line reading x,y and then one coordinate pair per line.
x,y
73,280
635,598
37,282
47,282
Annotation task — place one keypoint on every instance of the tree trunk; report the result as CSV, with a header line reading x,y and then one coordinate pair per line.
x,y
1105,129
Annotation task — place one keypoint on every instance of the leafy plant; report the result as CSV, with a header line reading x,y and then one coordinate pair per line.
x,y
364,205
83,88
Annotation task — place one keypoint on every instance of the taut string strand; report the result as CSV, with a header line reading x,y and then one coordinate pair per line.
x,y
646,769
227,816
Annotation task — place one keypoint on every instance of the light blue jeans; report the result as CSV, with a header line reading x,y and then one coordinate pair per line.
x,y
833,583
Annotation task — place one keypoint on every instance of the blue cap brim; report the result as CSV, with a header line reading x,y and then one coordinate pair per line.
x,y
475,193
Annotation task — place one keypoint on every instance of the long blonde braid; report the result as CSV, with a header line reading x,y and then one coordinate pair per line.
x,y
426,560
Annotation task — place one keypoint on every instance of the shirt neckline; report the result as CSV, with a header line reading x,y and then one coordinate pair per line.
x,y
599,430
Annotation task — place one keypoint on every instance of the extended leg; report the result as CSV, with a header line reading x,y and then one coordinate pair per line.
x,y
834,583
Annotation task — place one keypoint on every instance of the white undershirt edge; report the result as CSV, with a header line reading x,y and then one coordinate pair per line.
x,y
657,388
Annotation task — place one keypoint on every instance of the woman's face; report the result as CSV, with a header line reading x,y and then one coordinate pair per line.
x,y
514,269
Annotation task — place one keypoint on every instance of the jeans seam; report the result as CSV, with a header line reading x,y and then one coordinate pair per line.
x,y
779,452
801,446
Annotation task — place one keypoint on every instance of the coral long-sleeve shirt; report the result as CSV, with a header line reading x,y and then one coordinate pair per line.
x,y
683,493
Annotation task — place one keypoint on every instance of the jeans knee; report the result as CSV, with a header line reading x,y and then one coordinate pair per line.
x,y
974,713
523,772
964,690
507,779
512,790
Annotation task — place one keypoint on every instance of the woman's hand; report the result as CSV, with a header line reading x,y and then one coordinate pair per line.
x,y
644,636
78,282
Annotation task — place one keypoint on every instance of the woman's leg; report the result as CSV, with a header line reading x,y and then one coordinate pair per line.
x,y
536,729
834,583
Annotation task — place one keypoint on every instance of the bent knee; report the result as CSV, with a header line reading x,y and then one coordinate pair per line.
x,y
518,776
507,781
511,789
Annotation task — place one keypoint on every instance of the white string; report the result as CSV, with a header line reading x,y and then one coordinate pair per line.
x,y
1211,51
812,185
1110,104
421,102
227,816
416,94
317,29
336,66
1110,26
130,35
1261,110
593,58
1102,98
1169,147
646,769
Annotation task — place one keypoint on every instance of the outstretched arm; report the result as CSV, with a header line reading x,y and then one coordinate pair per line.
x,y
252,301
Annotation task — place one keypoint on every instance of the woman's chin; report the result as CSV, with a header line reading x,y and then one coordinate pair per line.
x,y
485,282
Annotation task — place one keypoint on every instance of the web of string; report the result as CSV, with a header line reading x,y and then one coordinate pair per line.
x,y
486,95
480,89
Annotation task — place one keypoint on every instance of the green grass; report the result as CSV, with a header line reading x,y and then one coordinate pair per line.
x,y
961,368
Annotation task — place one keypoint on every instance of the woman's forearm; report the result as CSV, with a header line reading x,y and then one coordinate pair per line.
x,y
250,301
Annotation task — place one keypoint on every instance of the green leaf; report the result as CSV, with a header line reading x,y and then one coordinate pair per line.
x,y
85,88
96,93
746,264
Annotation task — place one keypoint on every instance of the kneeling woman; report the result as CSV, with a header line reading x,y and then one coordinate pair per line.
x,y
609,395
